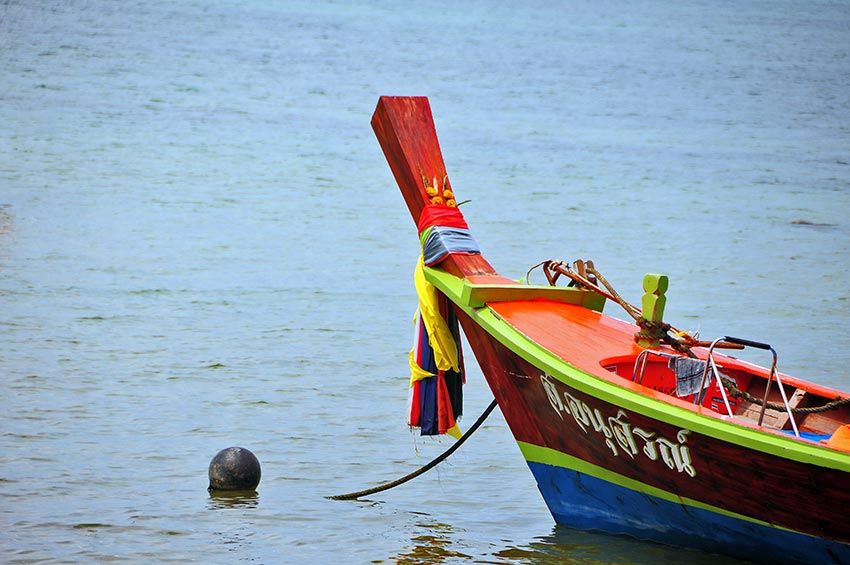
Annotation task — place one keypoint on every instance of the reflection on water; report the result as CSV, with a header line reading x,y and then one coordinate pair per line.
x,y
565,545
437,542
235,524
233,499
431,544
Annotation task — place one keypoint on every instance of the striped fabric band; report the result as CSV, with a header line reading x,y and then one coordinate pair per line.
x,y
440,241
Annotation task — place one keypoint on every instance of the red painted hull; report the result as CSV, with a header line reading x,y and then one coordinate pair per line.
x,y
733,478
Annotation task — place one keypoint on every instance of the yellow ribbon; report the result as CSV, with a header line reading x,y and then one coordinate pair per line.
x,y
417,373
439,336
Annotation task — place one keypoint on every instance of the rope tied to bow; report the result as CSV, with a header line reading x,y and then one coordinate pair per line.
x,y
585,274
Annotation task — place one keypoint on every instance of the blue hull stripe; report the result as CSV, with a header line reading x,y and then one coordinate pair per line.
x,y
584,502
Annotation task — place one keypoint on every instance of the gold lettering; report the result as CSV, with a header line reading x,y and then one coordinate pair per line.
x,y
618,432
552,395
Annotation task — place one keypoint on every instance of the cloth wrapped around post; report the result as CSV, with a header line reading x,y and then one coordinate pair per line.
x,y
437,375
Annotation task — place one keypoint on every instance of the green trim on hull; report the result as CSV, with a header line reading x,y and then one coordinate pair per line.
x,y
546,456
454,288
477,295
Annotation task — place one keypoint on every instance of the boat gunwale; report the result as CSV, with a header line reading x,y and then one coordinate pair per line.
x,y
671,411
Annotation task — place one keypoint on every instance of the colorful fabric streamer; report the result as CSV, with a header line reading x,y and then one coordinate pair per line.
x,y
435,399
439,334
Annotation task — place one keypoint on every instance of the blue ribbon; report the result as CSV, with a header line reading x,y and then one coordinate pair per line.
x,y
444,240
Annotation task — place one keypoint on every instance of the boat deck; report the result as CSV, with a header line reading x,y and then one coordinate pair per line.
x,y
570,331
604,346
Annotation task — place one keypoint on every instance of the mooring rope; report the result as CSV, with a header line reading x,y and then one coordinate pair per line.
x,y
675,338
442,457
734,391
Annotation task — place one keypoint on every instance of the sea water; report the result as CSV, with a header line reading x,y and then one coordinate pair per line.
x,y
201,245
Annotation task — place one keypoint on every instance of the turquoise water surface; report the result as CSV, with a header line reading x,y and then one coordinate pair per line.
x,y
201,245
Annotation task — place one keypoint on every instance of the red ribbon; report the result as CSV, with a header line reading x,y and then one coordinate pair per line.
x,y
441,215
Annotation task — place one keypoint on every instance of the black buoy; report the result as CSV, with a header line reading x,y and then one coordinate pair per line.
x,y
234,468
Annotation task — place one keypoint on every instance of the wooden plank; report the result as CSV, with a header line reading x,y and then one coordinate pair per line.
x,y
775,419
825,422
477,295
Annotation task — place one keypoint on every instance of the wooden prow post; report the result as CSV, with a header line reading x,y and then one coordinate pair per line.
x,y
405,129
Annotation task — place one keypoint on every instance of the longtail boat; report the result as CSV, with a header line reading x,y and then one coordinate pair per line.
x,y
631,428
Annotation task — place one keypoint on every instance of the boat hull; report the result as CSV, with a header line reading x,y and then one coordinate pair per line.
x,y
610,453
600,466
582,501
